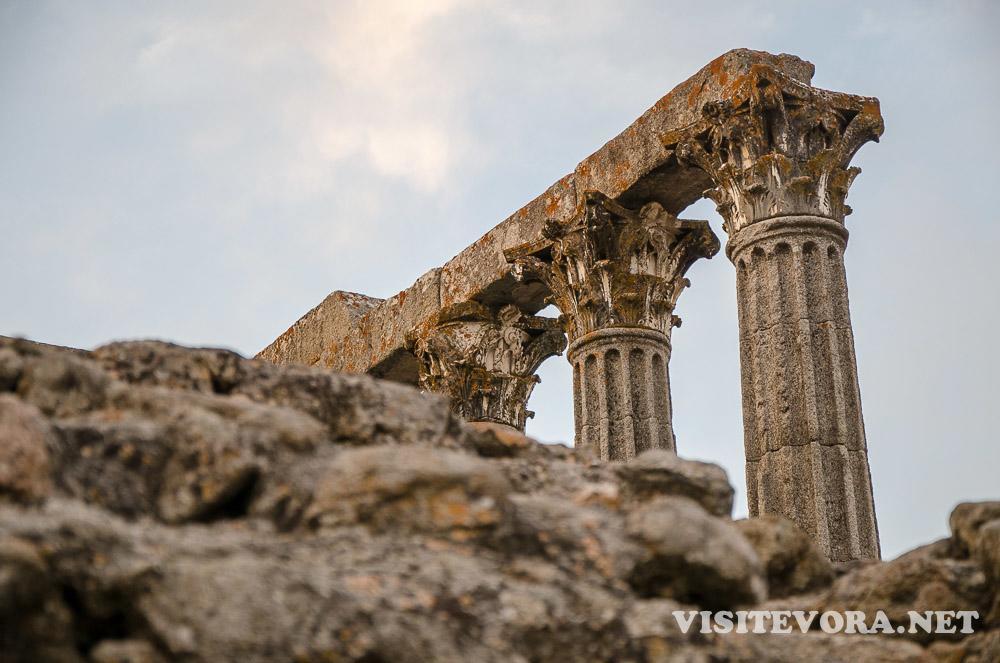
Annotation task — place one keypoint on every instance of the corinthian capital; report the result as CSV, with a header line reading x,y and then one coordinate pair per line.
x,y
485,360
615,267
779,147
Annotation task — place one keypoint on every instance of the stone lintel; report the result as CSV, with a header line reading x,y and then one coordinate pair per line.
x,y
321,336
636,167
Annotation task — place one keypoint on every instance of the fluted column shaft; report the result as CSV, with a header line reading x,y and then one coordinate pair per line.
x,y
806,454
621,392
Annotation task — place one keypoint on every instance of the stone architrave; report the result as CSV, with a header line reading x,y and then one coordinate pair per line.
x,y
616,274
778,152
485,360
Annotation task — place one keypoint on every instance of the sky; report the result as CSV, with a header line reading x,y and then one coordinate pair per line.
x,y
206,172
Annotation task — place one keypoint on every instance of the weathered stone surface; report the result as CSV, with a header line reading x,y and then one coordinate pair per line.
x,y
22,577
125,651
10,369
159,364
320,336
693,557
398,534
111,460
978,648
35,624
62,385
658,472
24,453
987,553
807,457
353,409
379,344
499,440
426,489
198,434
815,648
778,147
580,539
966,520
923,579
621,393
792,563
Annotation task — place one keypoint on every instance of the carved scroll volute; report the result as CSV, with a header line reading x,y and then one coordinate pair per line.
x,y
615,267
778,147
485,361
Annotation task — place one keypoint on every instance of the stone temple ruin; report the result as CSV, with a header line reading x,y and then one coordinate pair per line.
x,y
605,245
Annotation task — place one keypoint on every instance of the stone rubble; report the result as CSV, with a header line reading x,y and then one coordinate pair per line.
x,y
159,503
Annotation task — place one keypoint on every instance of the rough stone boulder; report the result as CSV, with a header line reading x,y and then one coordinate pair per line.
x,y
967,519
660,472
24,452
165,504
923,579
422,489
792,563
694,557
975,532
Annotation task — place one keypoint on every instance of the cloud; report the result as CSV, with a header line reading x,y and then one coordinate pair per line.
x,y
380,93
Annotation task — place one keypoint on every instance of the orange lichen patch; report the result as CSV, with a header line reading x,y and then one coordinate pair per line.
x,y
738,87
692,98
553,201
452,508
551,205
622,176
715,66
665,101
717,69
871,105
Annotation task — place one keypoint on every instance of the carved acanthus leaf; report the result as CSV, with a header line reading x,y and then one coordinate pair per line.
x,y
615,267
779,147
485,361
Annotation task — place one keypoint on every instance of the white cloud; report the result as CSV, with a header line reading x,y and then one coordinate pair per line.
x,y
380,92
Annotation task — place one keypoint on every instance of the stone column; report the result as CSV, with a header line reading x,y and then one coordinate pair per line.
x,y
615,275
779,155
485,360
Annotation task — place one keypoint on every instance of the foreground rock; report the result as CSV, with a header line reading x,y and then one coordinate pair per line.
x,y
165,504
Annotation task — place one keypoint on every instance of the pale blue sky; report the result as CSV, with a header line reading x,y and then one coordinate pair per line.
x,y
205,172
